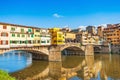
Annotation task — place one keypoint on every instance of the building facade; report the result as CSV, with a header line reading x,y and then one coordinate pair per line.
x,y
112,34
36,37
57,36
45,37
76,30
87,38
4,35
70,37
12,35
100,31
91,29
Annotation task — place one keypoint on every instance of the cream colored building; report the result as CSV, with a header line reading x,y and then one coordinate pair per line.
x,y
70,37
36,36
20,36
45,37
87,38
4,35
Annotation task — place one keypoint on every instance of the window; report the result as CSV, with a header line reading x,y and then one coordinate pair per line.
x,y
22,30
12,29
26,41
38,41
18,35
4,34
54,40
60,41
32,35
13,42
60,35
22,42
29,30
48,41
29,42
41,36
10,41
28,35
43,41
4,27
4,42
13,35
23,35
37,30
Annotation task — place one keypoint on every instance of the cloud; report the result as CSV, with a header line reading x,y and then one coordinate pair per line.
x,y
82,27
57,15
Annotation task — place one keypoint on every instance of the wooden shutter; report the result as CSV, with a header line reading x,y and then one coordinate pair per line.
x,y
4,27
7,34
1,42
6,42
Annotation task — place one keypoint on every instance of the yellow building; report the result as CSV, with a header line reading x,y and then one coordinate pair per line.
x,y
57,36
70,37
36,36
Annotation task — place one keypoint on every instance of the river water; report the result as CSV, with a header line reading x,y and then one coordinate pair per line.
x,y
99,67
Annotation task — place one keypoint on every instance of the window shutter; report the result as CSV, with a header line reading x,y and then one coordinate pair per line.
x,y
7,34
1,42
7,42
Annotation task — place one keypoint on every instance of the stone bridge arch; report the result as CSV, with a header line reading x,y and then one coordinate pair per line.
x,y
37,53
55,51
70,49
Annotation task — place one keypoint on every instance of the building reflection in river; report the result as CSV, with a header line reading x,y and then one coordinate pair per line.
x,y
96,67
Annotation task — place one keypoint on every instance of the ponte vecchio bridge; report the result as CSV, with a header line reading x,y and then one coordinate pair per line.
x,y
53,52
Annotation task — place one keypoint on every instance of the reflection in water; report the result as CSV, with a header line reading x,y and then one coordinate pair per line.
x,y
15,60
98,67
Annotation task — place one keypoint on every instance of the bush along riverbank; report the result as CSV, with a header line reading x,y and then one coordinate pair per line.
x,y
5,76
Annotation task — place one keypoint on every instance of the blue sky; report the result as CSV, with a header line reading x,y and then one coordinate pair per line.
x,y
60,13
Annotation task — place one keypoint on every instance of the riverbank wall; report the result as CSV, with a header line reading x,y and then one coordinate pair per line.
x,y
115,49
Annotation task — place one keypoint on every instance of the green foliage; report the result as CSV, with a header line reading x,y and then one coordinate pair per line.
x,y
5,76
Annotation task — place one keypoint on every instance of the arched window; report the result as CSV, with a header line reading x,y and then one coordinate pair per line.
x,y
4,34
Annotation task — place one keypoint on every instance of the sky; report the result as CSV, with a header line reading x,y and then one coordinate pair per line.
x,y
60,13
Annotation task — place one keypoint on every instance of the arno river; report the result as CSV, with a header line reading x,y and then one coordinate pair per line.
x,y
99,67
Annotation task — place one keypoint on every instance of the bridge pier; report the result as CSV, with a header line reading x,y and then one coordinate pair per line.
x,y
89,50
55,69
54,53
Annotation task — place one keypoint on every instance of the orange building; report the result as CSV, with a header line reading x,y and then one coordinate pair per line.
x,y
100,31
112,33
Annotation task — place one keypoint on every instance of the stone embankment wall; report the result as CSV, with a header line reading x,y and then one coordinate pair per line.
x,y
116,49
105,49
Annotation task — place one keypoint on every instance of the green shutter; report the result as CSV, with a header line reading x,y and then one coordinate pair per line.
x,y
26,42
10,41
32,35
23,35
29,30
18,35
13,35
22,30
20,42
